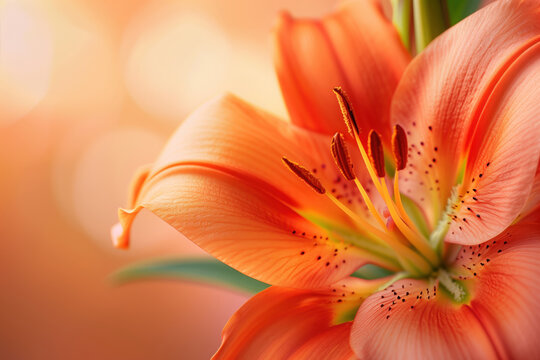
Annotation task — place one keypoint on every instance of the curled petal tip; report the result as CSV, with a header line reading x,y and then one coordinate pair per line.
x,y
120,231
119,238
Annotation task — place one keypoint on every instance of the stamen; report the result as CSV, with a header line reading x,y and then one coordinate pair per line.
x,y
407,258
350,121
343,162
405,225
347,111
376,154
375,166
399,147
369,204
408,229
399,203
305,175
341,156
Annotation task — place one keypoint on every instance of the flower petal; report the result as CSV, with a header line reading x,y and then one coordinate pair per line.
x,y
500,319
356,48
278,322
445,89
533,202
232,134
220,181
504,155
332,344
412,320
246,228
506,297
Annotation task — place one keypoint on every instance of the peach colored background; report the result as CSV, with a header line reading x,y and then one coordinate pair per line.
x,y
89,90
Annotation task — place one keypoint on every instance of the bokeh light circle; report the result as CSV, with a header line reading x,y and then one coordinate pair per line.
x,y
175,60
26,53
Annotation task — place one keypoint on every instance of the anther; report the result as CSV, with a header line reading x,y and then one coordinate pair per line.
x,y
305,175
376,154
399,147
347,111
341,156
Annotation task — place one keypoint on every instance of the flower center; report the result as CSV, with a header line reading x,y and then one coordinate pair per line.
x,y
414,252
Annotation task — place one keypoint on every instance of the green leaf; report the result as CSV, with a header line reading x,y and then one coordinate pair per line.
x,y
201,270
370,272
460,9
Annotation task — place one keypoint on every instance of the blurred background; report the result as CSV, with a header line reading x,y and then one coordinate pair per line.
x,y
89,91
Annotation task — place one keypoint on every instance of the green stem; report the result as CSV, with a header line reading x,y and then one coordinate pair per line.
x,y
430,20
402,20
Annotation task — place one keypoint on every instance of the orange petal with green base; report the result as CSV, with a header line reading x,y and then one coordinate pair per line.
x,y
445,89
244,227
504,155
414,320
221,182
498,319
506,289
280,322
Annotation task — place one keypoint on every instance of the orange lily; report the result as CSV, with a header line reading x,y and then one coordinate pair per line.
x,y
463,132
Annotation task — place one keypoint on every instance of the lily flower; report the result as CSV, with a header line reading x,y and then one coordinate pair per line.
x,y
435,178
